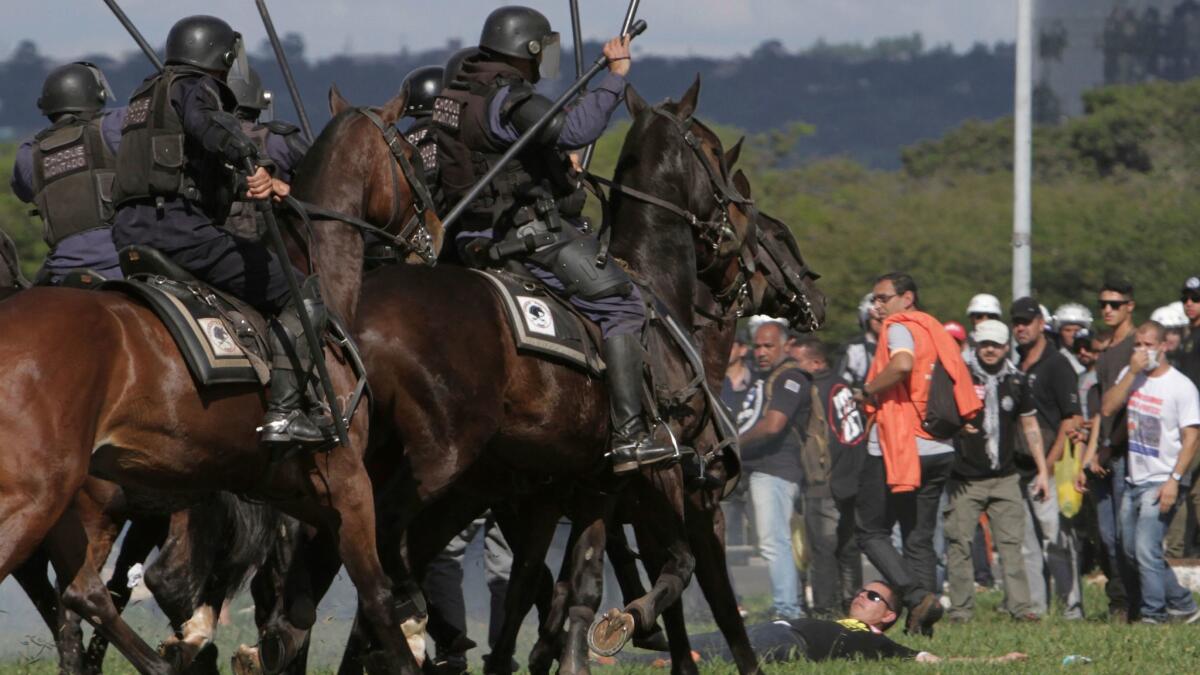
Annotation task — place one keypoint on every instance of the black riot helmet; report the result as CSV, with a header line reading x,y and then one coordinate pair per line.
x,y
75,88
247,88
205,42
523,33
454,64
423,85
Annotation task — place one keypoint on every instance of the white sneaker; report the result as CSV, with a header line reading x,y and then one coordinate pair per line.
x,y
1194,617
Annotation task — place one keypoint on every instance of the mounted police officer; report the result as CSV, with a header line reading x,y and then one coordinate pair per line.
x,y
176,182
280,146
67,170
529,211
423,86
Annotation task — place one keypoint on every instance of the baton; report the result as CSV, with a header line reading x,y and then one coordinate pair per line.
x,y
626,26
310,335
577,37
559,103
288,79
135,34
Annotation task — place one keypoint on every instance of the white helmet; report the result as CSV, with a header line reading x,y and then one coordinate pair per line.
x,y
864,310
1047,320
759,319
984,303
1170,316
1072,314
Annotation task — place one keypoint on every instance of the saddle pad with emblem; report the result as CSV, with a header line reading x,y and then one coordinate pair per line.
x,y
221,343
543,324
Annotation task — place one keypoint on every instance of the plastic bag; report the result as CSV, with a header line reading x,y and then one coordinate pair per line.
x,y
1065,470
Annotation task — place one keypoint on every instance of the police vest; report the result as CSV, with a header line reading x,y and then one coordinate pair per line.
x,y
157,161
244,218
423,136
466,150
73,173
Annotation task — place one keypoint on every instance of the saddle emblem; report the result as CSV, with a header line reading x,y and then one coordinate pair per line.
x,y
219,339
537,315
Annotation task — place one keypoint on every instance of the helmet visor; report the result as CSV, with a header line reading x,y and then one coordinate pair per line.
x,y
236,59
549,57
106,91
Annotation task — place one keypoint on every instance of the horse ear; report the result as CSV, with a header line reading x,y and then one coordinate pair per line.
x,y
634,101
741,182
687,104
731,156
394,109
337,102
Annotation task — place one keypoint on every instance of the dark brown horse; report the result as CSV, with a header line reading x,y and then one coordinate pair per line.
x,y
95,383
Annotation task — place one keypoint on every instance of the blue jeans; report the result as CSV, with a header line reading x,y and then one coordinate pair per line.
x,y
774,500
1122,577
1143,528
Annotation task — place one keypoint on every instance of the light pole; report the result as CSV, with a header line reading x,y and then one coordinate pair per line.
x,y
1022,240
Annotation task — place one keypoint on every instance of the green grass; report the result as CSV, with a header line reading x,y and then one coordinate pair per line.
x,y
1113,648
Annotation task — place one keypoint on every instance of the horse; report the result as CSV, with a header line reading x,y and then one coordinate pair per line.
x,y
136,417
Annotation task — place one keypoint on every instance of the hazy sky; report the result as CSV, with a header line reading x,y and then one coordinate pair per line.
x,y
70,28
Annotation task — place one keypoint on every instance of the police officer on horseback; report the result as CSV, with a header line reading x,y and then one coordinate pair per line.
x,y
67,170
423,86
176,182
530,211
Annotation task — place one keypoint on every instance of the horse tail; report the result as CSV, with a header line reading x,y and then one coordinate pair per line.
x,y
251,532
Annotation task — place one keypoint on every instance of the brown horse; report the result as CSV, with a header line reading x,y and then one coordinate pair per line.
x,y
132,413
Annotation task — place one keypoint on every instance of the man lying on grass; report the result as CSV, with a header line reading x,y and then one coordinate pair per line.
x,y
861,636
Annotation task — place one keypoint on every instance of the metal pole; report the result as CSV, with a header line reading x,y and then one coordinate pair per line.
x,y
577,38
1022,154
310,335
135,34
530,133
288,79
630,16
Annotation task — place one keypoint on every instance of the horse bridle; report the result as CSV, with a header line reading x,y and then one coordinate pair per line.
x,y
791,286
414,235
714,232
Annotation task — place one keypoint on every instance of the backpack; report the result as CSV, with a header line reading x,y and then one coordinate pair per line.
x,y
942,419
815,456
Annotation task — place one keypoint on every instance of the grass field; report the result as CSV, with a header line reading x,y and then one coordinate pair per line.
x,y
1113,648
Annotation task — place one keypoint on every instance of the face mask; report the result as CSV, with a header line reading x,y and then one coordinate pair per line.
x,y
1151,359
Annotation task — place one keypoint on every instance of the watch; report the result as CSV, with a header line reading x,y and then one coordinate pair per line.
x,y
1177,476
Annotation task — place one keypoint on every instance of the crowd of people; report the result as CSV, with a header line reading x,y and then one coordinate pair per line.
x,y
1037,444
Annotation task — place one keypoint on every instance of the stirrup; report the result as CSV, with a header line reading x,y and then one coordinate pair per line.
x,y
292,428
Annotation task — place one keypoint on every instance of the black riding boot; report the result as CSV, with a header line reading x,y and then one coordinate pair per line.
x,y
287,422
632,445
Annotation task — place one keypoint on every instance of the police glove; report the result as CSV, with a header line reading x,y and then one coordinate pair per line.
x,y
224,136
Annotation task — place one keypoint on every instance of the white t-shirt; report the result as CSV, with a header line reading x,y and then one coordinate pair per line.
x,y
1158,409
901,339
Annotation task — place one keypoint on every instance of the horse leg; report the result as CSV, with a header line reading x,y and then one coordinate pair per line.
x,y
707,536
85,594
63,625
140,540
654,557
587,586
551,638
625,568
530,539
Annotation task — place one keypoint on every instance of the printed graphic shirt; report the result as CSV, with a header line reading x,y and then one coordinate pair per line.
x,y
1158,409
791,394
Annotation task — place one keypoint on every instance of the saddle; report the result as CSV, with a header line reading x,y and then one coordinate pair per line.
x,y
221,338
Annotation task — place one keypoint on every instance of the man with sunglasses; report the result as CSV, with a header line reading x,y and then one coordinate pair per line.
x,y
873,610
1049,545
1105,461
985,479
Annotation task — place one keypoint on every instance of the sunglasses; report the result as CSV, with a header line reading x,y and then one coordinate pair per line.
x,y
1190,297
1112,304
982,315
875,597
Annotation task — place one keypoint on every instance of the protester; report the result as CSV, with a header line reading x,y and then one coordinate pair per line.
x,y
956,331
907,466
983,307
985,479
1174,321
772,437
1163,423
835,567
1049,546
738,378
1069,319
1104,462
1182,538
861,350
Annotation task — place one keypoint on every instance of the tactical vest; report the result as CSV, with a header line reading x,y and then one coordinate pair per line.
x,y
157,161
73,173
244,219
423,136
466,150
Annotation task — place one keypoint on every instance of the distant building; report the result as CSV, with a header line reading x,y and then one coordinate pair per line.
x,y
1081,44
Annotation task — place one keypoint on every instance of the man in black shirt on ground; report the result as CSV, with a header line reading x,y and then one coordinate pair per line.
x,y
1049,539
984,478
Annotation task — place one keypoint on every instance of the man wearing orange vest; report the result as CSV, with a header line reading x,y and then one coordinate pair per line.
x,y
907,467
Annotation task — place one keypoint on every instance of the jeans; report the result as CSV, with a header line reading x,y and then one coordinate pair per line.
x,y
773,500
1143,527
1122,587
1049,553
444,585
835,561
913,575
1001,499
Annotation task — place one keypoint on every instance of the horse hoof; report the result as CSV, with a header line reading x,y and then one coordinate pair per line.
x,y
274,653
177,653
245,661
655,641
204,662
608,636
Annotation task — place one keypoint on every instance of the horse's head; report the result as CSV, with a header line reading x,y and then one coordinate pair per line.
x,y
362,167
677,161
